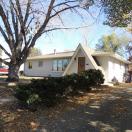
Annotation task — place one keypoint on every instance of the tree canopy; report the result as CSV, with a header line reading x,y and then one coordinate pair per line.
x,y
113,43
118,12
35,52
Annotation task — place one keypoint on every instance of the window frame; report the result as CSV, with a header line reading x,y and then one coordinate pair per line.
x,y
59,65
60,62
63,68
53,63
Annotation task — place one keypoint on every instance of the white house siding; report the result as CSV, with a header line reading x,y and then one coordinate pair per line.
x,y
103,61
110,66
116,69
74,66
45,70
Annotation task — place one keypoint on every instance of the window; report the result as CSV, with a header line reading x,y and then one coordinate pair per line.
x,y
54,67
30,65
40,63
65,63
60,64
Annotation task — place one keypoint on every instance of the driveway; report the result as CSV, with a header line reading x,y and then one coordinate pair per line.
x,y
111,113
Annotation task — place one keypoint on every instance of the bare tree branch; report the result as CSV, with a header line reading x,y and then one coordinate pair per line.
x,y
38,34
60,28
63,3
20,16
2,48
7,27
27,11
4,34
67,8
3,61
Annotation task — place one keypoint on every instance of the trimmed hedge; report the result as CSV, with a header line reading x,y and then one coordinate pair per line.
x,y
50,91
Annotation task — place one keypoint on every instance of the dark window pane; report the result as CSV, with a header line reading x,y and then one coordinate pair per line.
x,y
30,65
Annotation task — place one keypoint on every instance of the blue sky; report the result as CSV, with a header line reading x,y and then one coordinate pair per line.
x,y
69,39
63,40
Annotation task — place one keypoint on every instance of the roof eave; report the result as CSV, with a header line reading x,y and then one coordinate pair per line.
x,y
46,58
116,56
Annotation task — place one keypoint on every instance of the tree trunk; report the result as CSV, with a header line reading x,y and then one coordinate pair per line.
x,y
13,73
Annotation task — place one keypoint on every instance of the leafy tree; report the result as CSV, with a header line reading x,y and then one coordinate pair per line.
x,y
113,43
118,12
35,52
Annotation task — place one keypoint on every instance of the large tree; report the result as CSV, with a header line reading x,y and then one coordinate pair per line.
x,y
24,21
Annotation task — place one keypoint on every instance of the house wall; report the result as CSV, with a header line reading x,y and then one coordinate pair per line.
x,y
116,69
74,66
45,70
103,61
112,68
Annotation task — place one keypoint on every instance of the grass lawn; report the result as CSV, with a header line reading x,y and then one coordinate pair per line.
x,y
15,119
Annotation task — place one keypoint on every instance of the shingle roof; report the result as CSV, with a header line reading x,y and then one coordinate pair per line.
x,y
67,54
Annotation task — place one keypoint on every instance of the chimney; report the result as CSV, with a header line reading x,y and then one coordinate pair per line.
x,y
54,51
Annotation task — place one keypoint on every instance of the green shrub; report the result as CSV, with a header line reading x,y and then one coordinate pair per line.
x,y
26,95
92,77
50,91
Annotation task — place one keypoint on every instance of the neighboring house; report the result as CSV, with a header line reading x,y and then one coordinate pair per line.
x,y
83,58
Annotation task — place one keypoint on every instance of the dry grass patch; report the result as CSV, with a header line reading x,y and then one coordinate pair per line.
x,y
14,119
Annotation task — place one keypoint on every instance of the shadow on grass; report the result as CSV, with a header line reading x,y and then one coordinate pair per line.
x,y
1,124
113,114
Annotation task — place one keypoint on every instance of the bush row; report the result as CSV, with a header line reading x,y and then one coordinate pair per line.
x,y
50,91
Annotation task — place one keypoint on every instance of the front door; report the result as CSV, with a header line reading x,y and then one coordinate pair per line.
x,y
81,64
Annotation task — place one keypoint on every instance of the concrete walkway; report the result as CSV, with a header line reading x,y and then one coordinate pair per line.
x,y
113,113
